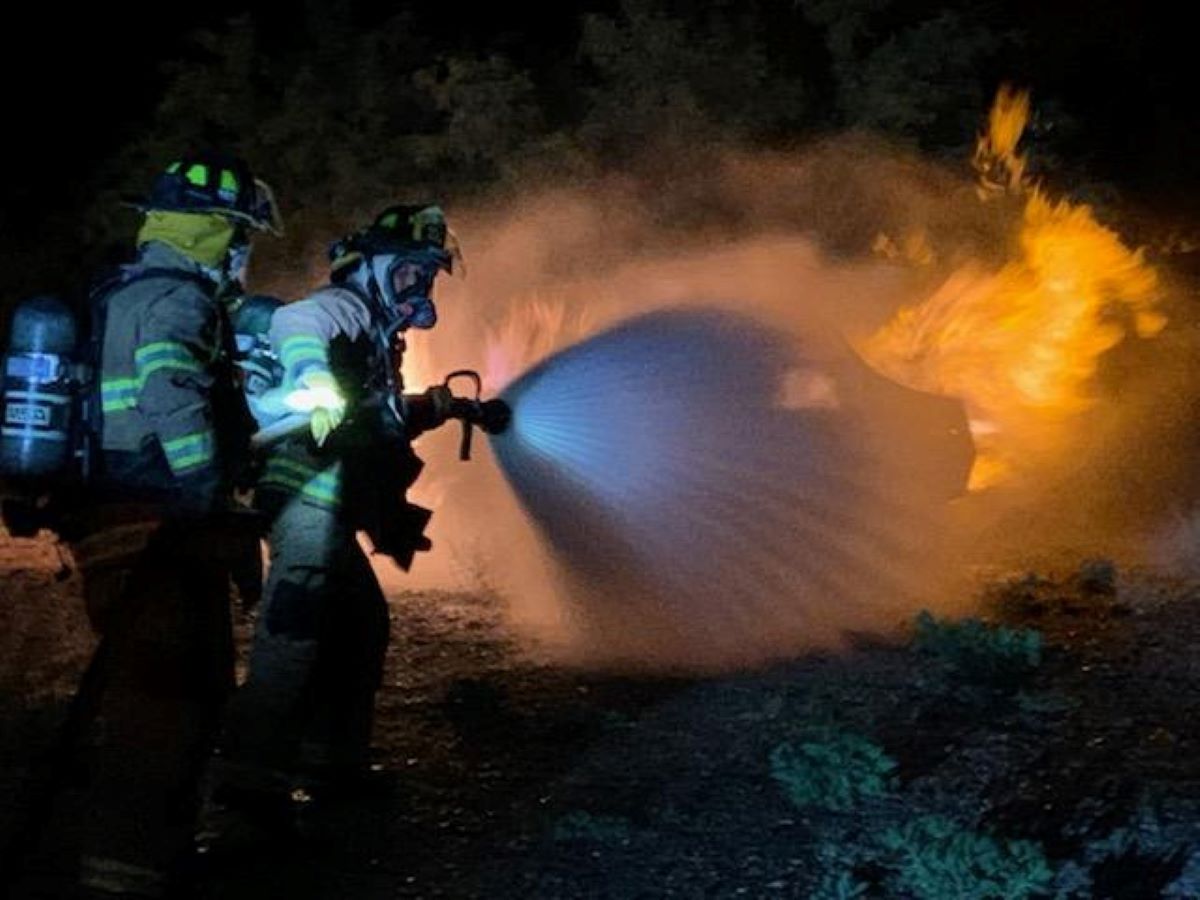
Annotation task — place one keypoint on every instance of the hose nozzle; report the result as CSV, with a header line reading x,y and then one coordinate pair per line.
x,y
493,416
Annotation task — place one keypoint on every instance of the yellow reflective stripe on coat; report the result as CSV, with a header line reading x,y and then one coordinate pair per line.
x,y
170,355
191,451
303,348
119,394
321,485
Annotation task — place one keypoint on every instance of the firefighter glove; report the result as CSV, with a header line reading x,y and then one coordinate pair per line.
x,y
324,422
319,395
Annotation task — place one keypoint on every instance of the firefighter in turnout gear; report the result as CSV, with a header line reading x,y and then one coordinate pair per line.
x,y
304,715
155,548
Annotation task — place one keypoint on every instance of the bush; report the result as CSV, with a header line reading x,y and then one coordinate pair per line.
x,y
993,656
840,886
934,858
831,769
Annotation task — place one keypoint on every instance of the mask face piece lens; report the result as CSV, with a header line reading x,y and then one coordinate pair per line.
x,y
411,283
404,282
410,279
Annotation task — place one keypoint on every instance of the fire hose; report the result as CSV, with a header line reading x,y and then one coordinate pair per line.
x,y
492,416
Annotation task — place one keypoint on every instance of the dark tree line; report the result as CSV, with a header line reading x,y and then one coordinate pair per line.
x,y
342,103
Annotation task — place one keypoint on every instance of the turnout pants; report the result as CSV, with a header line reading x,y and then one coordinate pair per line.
x,y
306,708
164,668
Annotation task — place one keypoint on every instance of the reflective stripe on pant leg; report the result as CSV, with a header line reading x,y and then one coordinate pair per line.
x,y
269,713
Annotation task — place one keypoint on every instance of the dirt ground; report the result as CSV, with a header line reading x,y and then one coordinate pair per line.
x,y
502,776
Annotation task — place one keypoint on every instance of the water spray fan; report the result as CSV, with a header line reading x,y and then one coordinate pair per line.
x,y
689,496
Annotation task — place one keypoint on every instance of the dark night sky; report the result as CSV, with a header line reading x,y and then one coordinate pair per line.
x,y
91,77
86,77
1131,78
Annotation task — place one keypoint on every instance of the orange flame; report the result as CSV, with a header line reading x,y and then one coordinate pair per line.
x,y
996,160
1021,345
536,326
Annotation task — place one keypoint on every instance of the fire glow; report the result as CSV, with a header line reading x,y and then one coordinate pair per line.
x,y
991,291
1021,345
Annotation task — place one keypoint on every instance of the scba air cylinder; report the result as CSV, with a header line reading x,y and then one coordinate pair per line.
x,y
37,411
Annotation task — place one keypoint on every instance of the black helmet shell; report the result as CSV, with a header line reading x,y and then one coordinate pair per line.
x,y
402,228
214,183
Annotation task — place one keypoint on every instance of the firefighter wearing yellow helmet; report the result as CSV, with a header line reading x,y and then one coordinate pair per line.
x,y
172,431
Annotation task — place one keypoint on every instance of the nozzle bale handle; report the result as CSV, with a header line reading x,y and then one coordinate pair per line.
x,y
464,446
468,412
464,408
469,374
493,416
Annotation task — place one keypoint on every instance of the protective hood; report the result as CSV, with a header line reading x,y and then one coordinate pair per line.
x,y
204,237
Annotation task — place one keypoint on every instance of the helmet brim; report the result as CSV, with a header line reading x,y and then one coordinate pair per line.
x,y
264,217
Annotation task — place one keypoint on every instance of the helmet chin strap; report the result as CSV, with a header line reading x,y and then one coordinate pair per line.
x,y
231,278
380,266
363,277
390,323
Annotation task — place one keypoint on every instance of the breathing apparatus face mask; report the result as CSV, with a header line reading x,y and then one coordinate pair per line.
x,y
233,275
239,259
405,282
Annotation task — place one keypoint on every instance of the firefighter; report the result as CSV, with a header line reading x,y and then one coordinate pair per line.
x,y
304,715
154,550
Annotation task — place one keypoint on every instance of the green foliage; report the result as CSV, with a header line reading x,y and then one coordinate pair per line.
x,y
341,116
583,826
839,886
657,76
903,71
340,119
992,656
831,769
919,82
637,60
488,110
934,858
1144,858
343,108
